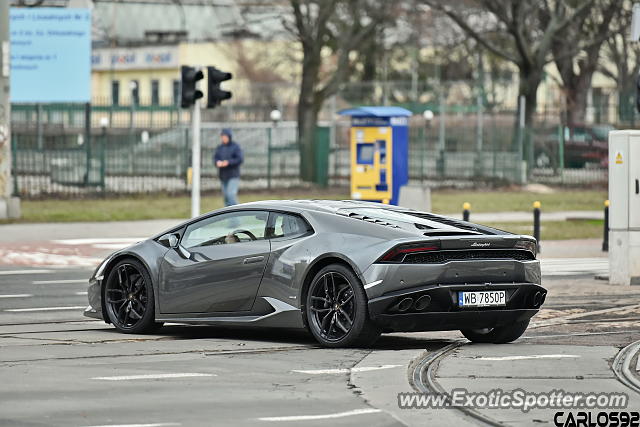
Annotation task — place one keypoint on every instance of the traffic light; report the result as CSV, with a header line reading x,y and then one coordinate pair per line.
x,y
216,94
190,93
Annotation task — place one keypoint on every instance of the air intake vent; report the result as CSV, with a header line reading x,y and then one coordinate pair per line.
x,y
368,219
442,220
440,257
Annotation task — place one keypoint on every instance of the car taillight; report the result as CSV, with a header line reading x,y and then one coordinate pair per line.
x,y
527,245
397,254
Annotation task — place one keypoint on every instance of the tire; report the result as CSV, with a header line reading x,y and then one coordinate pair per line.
x,y
129,299
498,335
334,298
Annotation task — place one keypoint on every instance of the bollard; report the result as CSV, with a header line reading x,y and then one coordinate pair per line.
x,y
536,222
605,241
466,206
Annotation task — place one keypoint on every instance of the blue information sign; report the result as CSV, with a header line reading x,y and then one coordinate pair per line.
x,y
50,55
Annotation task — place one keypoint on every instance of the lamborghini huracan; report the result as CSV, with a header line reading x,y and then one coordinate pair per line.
x,y
346,271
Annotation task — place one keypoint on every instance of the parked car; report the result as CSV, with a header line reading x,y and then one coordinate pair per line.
x,y
586,145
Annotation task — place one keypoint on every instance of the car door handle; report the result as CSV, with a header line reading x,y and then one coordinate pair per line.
x,y
253,259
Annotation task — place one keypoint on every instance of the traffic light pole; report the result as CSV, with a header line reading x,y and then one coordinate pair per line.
x,y
195,159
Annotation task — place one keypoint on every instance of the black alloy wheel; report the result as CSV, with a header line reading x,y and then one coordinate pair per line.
x,y
336,309
128,297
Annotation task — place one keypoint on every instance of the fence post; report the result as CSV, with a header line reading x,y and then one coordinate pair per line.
x,y
87,141
522,175
103,144
605,240
14,164
269,141
442,140
536,222
466,208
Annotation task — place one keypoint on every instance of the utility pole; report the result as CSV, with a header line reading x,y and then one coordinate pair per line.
x,y
9,208
195,159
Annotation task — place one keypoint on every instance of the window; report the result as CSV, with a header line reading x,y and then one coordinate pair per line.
x,y
155,92
286,225
229,228
176,92
135,92
115,92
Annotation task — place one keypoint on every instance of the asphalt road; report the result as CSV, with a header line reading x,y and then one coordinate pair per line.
x,y
59,368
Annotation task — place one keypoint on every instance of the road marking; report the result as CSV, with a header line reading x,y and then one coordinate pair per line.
x,y
82,293
12,272
12,257
574,266
107,240
20,310
584,334
538,356
47,282
153,376
322,417
16,296
112,246
138,425
344,370
372,284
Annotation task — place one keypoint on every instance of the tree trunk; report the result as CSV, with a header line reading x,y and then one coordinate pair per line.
x,y
528,87
576,96
307,123
308,118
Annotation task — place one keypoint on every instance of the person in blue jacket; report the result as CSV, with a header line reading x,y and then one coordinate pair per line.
x,y
228,158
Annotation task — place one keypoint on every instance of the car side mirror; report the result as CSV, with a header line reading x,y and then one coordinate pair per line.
x,y
170,240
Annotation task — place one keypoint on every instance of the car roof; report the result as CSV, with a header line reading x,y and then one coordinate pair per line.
x,y
314,204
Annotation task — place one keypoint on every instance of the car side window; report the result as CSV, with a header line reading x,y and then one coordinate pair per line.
x,y
286,225
228,228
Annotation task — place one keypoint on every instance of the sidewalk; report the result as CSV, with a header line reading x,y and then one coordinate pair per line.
x,y
146,228
482,217
84,230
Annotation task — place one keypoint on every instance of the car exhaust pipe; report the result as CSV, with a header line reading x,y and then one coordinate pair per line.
x,y
422,302
544,297
537,299
405,304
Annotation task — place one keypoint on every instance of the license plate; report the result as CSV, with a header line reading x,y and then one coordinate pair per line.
x,y
482,299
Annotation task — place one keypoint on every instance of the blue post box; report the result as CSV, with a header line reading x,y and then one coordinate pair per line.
x,y
379,145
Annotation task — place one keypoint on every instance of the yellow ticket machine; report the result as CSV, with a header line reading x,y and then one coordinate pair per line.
x,y
379,152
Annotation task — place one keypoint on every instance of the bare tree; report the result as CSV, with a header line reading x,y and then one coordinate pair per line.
x,y
577,66
623,59
328,31
521,32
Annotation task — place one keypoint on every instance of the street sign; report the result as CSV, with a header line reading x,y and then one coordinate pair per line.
x,y
50,54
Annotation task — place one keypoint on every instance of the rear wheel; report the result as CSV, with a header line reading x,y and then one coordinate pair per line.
x,y
498,335
336,309
128,297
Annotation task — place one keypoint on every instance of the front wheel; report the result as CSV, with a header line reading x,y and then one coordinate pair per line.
x,y
498,335
128,297
336,309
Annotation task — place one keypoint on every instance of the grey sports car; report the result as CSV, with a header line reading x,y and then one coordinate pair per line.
x,y
345,270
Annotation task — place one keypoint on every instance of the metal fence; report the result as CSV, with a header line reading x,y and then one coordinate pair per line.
x,y
139,161
160,162
69,150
